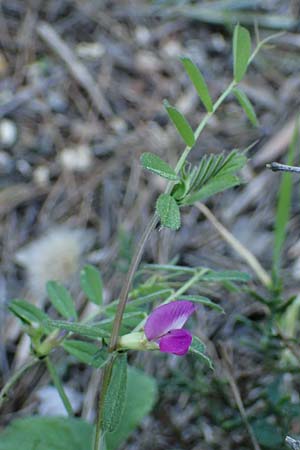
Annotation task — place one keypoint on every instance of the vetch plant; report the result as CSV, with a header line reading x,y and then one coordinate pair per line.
x,y
102,341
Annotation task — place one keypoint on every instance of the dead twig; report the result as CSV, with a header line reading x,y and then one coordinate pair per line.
x,y
277,167
76,68
237,246
295,445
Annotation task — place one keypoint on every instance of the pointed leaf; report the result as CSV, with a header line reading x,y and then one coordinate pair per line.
x,y
27,312
226,275
156,165
246,105
199,83
168,211
182,125
87,352
61,300
241,52
115,397
91,284
216,185
89,331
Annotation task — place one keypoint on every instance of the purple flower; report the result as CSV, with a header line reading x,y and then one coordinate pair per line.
x,y
164,326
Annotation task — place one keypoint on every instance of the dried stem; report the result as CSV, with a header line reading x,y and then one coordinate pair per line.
x,y
15,377
237,246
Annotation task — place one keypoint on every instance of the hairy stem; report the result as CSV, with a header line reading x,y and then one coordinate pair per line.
x,y
57,383
14,378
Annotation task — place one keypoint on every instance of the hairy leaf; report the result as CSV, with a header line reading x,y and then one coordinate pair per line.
x,y
168,211
89,331
182,125
91,284
61,300
87,352
114,401
246,105
156,165
199,83
216,185
241,52
27,312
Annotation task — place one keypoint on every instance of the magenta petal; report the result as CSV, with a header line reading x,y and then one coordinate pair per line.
x,y
168,317
176,341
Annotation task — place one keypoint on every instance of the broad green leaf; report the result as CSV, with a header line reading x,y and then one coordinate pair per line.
x,y
61,300
168,211
267,434
27,312
215,186
284,206
246,105
241,52
141,395
182,125
114,401
89,331
87,352
198,348
226,275
204,301
156,165
91,284
59,433
47,433
199,83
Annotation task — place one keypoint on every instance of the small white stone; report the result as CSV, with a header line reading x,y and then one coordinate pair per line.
x,y
147,62
173,49
41,176
142,35
119,125
8,133
77,159
90,50
50,403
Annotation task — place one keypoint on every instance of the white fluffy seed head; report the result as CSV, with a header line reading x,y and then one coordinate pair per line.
x,y
54,256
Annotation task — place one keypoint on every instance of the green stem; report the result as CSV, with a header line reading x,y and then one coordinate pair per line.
x,y
14,378
186,285
59,386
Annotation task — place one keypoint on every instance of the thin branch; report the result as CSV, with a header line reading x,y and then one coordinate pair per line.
x,y
293,443
76,68
277,167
